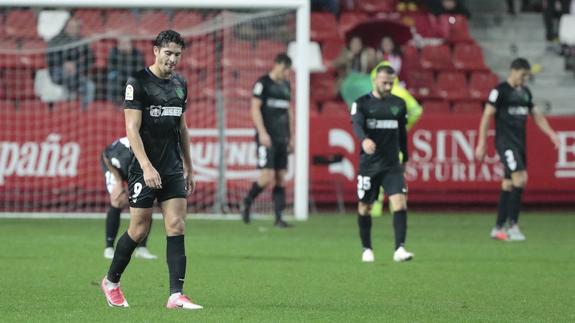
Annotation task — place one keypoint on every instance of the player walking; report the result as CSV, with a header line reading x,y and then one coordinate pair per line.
x,y
155,101
510,102
115,160
273,119
379,121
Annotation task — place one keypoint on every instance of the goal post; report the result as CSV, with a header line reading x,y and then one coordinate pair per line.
x,y
302,38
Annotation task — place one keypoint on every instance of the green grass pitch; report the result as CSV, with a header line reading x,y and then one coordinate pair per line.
x,y
51,271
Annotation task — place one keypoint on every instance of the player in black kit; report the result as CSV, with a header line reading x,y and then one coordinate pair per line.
x,y
273,120
379,120
155,101
114,161
511,102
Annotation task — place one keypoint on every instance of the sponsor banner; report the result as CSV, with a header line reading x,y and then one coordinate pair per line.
x,y
51,159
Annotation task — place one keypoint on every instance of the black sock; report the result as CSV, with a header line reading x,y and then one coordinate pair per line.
x,y
112,225
364,223
503,208
279,199
515,204
176,257
255,190
400,227
124,249
144,241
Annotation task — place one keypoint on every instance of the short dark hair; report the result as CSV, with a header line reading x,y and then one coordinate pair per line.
x,y
520,64
283,58
169,36
385,68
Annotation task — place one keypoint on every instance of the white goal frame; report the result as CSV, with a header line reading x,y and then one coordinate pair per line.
x,y
302,7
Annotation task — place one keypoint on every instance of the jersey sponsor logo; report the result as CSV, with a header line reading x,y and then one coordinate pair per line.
x,y
129,93
382,124
518,111
278,103
160,111
258,88
493,95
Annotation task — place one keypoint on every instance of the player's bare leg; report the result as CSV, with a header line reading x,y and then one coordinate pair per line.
x,y
174,212
140,219
364,223
266,179
519,181
399,206
279,199
499,232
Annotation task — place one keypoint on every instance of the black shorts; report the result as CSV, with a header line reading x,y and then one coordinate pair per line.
x,y
368,184
513,160
274,157
142,196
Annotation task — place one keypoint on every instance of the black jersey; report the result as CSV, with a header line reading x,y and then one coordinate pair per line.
x,y
120,156
513,106
162,102
275,97
383,121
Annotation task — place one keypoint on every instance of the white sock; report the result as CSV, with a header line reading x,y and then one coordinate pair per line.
x,y
111,285
175,295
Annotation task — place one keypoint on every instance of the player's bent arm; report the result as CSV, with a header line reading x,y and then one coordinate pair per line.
x,y
133,123
185,144
543,124
257,118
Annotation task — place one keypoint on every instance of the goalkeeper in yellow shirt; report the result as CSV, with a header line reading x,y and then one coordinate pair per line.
x,y
414,111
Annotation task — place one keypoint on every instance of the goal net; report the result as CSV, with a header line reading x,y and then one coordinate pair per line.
x,y
62,76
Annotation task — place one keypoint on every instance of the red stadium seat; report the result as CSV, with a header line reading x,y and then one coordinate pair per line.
x,y
452,86
10,59
101,49
376,6
322,87
91,20
202,53
239,82
467,107
21,24
334,108
348,20
454,28
145,46
468,57
239,54
183,20
121,22
323,26
151,22
436,57
421,84
411,59
32,107
19,83
33,53
201,83
330,50
266,52
424,24
436,106
481,84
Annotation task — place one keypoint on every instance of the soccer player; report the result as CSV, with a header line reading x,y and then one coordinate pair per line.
x,y
510,102
115,160
273,120
155,101
379,121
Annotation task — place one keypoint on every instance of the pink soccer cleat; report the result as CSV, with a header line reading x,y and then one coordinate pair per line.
x,y
114,295
179,300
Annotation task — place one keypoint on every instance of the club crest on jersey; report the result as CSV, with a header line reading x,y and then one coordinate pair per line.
x,y
394,110
180,92
155,111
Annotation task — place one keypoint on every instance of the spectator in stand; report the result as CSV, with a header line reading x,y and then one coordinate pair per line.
x,y
70,61
552,12
123,61
354,58
325,5
452,7
388,51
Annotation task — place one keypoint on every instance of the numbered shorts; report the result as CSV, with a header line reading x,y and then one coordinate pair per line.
x,y
274,157
110,181
368,185
513,160
142,196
